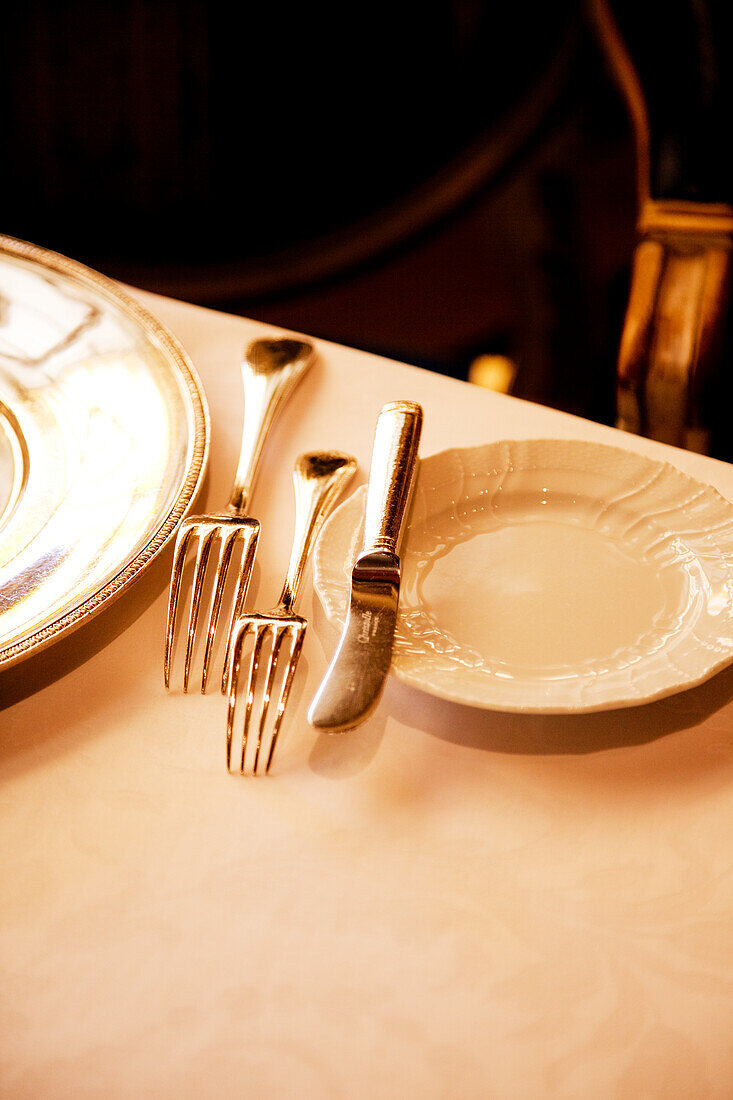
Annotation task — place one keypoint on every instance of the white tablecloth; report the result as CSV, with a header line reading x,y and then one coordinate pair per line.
x,y
444,902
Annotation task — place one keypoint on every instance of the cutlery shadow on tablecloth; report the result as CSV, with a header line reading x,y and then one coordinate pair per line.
x,y
567,734
342,755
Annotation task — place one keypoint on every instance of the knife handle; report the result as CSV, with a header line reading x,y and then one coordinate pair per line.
x,y
394,455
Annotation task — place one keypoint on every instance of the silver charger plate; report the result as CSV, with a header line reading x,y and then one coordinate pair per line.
x,y
104,435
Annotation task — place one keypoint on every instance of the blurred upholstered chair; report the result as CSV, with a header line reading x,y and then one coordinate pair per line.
x,y
672,60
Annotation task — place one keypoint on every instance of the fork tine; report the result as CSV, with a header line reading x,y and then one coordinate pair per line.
x,y
281,632
222,567
202,556
285,691
278,636
245,575
179,558
245,628
253,666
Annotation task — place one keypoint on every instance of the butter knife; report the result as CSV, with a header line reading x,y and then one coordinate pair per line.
x,y
353,684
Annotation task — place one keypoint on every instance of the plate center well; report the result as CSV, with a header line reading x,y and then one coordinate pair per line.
x,y
545,594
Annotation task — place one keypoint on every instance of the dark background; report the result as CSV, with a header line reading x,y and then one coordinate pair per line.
x,y
431,181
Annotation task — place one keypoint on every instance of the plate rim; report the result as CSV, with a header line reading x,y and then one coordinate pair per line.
x,y
413,680
190,485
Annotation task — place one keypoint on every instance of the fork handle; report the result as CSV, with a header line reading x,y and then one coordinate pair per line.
x,y
319,478
271,369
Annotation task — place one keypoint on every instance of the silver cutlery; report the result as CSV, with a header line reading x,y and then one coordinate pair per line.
x,y
353,684
277,635
271,369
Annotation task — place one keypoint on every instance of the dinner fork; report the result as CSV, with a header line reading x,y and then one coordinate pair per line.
x,y
319,478
271,369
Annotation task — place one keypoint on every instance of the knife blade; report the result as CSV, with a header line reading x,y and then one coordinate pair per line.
x,y
355,678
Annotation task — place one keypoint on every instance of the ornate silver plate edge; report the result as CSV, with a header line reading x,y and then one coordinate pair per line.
x,y
191,483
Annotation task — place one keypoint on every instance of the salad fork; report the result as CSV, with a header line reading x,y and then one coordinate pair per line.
x,y
319,478
271,369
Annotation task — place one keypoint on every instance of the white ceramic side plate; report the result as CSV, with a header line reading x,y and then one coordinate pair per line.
x,y
552,576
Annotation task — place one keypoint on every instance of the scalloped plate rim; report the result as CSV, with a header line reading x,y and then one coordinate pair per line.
x,y
417,678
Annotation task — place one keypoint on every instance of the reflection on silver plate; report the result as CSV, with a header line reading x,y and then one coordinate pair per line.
x,y
104,437
552,576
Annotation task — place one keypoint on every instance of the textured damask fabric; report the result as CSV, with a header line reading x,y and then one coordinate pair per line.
x,y
445,902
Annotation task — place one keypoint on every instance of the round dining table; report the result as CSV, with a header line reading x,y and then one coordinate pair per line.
x,y
445,901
